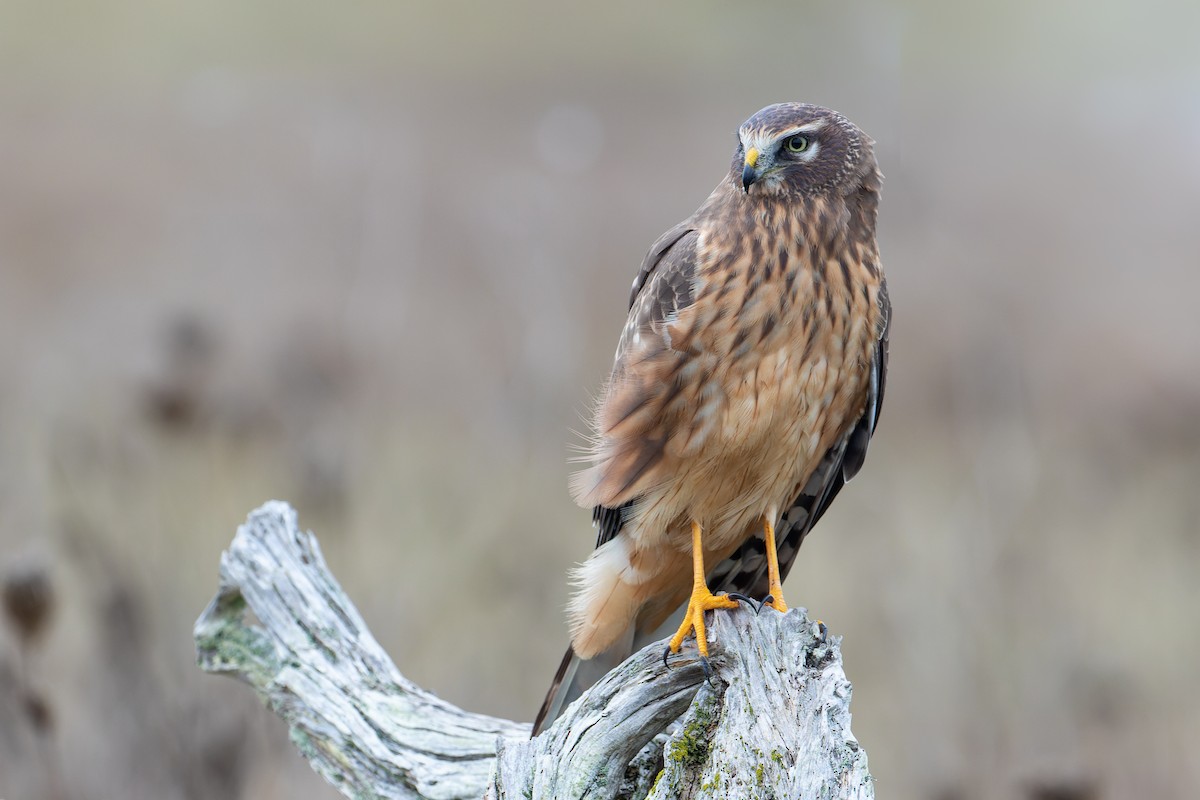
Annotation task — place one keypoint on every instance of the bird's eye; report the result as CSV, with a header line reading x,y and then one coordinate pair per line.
x,y
797,144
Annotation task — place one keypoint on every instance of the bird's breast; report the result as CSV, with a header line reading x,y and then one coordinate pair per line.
x,y
787,331
786,344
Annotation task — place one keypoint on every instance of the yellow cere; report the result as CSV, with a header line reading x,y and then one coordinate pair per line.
x,y
752,156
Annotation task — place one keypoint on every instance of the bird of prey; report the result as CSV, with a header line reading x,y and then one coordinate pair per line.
x,y
746,387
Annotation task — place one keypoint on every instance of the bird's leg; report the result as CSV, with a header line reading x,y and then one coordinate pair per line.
x,y
774,585
702,600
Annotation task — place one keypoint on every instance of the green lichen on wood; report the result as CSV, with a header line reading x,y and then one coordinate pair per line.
x,y
231,644
657,778
712,786
690,747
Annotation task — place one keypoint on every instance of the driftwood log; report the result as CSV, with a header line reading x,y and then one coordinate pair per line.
x,y
772,722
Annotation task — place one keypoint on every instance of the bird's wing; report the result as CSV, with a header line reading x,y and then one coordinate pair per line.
x,y
655,256
662,288
634,402
746,570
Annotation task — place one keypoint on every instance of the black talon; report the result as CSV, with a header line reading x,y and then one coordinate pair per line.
x,y
666,652
741,598
765,600
708,670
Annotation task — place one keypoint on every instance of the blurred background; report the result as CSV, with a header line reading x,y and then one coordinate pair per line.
x,y
373,259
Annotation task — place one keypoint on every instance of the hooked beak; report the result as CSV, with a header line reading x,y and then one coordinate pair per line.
x,y
749,174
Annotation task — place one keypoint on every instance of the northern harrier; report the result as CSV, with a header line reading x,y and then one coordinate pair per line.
x,y
746,387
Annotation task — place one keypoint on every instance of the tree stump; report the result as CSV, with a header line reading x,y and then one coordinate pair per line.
x,y
773,721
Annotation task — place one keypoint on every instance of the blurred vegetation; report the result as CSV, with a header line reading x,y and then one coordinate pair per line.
x,y
373,259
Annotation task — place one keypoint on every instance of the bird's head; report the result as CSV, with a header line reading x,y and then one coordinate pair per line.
x,y
796,148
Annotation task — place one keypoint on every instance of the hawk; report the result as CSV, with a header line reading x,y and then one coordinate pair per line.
x,y
745,389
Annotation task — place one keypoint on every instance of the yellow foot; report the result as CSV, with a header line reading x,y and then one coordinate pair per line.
x,y
702,600
775,586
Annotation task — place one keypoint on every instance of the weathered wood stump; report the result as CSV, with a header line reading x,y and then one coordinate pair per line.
x,y
772,722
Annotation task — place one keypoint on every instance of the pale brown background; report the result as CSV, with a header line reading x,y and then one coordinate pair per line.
x,y
373,258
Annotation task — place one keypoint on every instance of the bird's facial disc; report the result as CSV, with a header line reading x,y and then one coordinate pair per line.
x,y
770,153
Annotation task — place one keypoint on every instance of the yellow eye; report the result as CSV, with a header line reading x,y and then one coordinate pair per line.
x,y
797,144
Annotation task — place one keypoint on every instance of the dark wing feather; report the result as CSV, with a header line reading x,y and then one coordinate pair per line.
x,y
663,287
746,570
609,521
655,256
